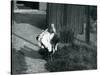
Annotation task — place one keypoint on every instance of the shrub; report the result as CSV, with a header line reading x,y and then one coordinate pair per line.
x,y
66,36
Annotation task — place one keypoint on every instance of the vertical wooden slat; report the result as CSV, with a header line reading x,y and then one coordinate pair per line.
x,y
55,15
75,16
87,36
66,17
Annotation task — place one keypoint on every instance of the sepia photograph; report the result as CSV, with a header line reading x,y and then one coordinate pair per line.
x,y
52,37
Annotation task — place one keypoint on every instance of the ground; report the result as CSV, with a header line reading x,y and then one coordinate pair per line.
x,y
25,49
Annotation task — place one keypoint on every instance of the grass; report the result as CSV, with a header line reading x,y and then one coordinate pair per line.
x,y
71,58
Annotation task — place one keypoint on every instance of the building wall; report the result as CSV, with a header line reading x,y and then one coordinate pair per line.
x,y
42,6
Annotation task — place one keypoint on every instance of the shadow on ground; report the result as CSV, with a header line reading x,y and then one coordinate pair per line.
x,y
26,51
18,62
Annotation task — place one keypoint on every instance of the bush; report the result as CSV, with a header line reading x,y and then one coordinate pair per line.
x,y
66,36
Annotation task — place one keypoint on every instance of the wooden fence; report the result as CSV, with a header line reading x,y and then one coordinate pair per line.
x,y
66,17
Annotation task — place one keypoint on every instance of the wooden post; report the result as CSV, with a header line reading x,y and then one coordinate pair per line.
x,y
15,4
87,34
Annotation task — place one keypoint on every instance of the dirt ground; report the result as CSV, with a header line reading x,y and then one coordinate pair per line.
x,y
25,56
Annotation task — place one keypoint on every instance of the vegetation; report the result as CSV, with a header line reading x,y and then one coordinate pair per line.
x,y
66,36
70,58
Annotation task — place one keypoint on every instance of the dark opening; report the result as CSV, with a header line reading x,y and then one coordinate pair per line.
x,y
27,5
